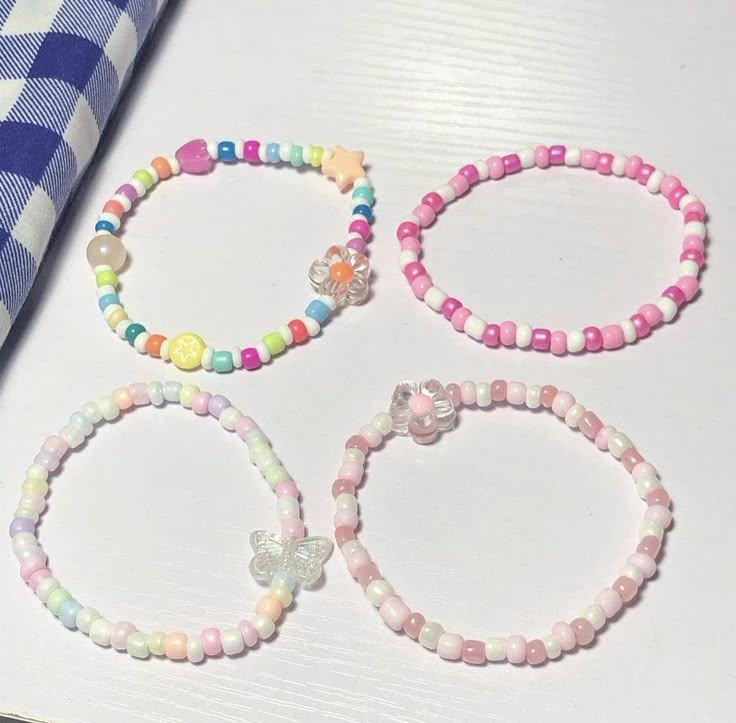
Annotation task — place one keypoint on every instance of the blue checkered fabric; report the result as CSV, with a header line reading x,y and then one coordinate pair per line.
x,y
63,65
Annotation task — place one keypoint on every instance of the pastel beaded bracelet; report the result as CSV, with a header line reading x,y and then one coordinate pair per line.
x,y
283,561
340,276
591,338
425,410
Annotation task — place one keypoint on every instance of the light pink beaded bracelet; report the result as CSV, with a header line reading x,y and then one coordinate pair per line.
x,y
424,410
282,561
591,338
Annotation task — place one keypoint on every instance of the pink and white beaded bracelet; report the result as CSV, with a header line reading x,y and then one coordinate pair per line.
x,y
424,410
283,560
591,338
340,276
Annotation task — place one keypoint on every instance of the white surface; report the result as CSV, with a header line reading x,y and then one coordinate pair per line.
x,y
511,522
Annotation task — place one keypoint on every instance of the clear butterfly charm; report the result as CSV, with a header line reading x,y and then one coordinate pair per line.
x,y
303,557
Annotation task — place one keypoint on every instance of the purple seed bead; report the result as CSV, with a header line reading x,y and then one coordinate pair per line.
x,y
471,174
357,244
250,358
511,163
127,190
217,405
21,524
557,155
47,460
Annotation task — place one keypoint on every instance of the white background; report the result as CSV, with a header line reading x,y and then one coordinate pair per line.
x,y
511,522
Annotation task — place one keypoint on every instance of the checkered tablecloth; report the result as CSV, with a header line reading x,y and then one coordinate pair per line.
x,y
63,65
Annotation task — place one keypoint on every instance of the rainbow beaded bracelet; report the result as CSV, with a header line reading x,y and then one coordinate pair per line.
x,y
340,276
591,338
424,411
283,561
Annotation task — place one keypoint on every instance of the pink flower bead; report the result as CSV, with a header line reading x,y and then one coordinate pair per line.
x,y
410,243
558,343
536,652
496,169
343,534
470,172
516,649
644,173
407,228
201,403
449,306
394,612
562,402
55,445
286,488
584,631
588,159
459,184
609,601
434,201
491,335
140,394
421,285
632,166
249,633
613,336
473,652
516,393
361,227
120,633
459,318
541,156
557,155
450,646
601,439
590,425
211,641
511,163
250,152
593,338
347,518
565,635
413,625
367,574
292,527
640,324
652,313
603,166
541,339
643,469
425,214
508,333
675,293
668,185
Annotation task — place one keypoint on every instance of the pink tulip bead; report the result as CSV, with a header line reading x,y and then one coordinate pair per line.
x,y
211,641
56,446
516,649
394,612
609,601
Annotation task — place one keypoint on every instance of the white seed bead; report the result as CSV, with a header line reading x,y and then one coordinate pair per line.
x,y
435,297
533,394
229,418
265,627
482,168
526,156
406,257
446,192
140,342
495,649
85,618
575,341
523,335
667,307
46,587
263,353
72,434
573,415
378,590
694,228
92,412
195,649
139,187
595,615
262,156
629,331
474,327
327,153
24,541
105,290
27,513
688,267
654,181
688,198
110,218
212,150
307,154
287,506
383,423
353,454
632,572
237,357
153,173
645,563
618,443
646,485
232,641
172,392
174,164
362,182
122,327
285,151
207,356
483,394
156,393
164,350
328,301
109,310
552,644
344,501
286,334
312,325
651,527
100,632
572,156
618,164
371,435
109,408
430,634
240,148
411,218
350,547
123,200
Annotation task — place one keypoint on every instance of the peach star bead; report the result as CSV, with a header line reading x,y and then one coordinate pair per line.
x,y
344,166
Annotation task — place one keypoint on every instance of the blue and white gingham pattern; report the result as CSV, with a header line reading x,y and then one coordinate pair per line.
x,y
63,64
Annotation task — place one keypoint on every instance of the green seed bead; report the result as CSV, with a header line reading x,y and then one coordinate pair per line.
x,y
282,594
256,449
274,343
35,487
145,178
107,278
222,362
188,392
57,598
156,642
316,160
297,156
365,193
275,474
138,645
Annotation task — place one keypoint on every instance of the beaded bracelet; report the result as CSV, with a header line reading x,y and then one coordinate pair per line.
x,y
283,561
591,338
340,276
425,410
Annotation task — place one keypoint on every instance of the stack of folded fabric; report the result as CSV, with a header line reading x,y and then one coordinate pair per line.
x,y
63,67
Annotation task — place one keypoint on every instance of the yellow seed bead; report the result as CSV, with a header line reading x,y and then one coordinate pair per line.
x,y
186,350
316,160
156,642
116,317
35,487
188,392
282,594
254,451
107,278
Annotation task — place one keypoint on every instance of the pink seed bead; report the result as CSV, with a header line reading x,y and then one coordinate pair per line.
x,y
694,207
644,173
645,563
343,534
473,652
603,166
123,397
357,559
609,601
562,402
449,646
601,439
140,394
691,217
471,173
201,403
31,565
649,545
652,313
536,652
491,335
413,625
589,158
590,425
626,588
250,151
357,442
584,631
565,635
56,446
668,185
547,395
640,324
558,343
352,471
516,393
658,513
674,293
693,255
449,306
410,243
47,460
541,339
120,633
249,633
342,485
34,501
455,394
498,390
632,165
407,228
37,576
516,649
286,488
593,338
357,244
659,497
349,518
643,469
211,641
434,201
468,393
361,227
613,336
508,333
292,527
630,458
425,214
394,612
367,574
495,167
414,270
541,156
676,196
511,163
250,358
459,184
459,318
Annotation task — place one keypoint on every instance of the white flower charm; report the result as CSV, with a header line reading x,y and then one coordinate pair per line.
x,y
422,410
303,557
342,275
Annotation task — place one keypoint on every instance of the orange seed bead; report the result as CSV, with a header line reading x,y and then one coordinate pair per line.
x,y
269,606
162,167
113,206
153,345
175,646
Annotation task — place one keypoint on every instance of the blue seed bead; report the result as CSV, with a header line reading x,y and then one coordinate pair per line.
x,y
364,210
318,310
132,332
226,151
222,361
68,613
255,436
284,577
365,193
296,159
273,153
104,226
106,300
82,422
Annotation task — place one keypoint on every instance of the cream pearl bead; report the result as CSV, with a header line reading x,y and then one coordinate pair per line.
x,y
195,650
265,627
107,249
406,257
24,541
429,635
383,423
629,330
474,327
646,484
574,414
353,454
618,443
344,501
85,618
287,506
109,408
232,641
572,156
483,396
654,181
435,297
595,615
651,527
523,335
618,164
575,341
526,156
350,547
667,307
229,417
496,649
533,394
689,268
552,645
378,590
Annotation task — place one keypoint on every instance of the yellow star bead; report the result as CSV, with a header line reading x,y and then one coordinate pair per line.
x,y
344,166
186,350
